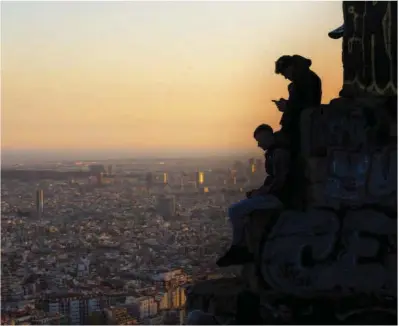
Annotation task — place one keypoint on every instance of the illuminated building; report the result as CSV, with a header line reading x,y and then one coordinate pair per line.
x,y
165,178
251,166
39,202
163,300
178,297
200,178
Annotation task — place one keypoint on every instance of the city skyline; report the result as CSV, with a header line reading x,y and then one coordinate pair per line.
x,y
170,76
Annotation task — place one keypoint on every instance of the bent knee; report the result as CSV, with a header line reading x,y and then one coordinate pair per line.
x,y
231,211
235,211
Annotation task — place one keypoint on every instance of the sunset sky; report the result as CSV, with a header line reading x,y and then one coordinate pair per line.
x,y
154,75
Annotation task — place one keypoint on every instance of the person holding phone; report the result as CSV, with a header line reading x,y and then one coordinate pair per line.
x,y
305,91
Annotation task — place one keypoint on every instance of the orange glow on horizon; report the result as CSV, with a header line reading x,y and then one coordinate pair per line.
x,y
195,75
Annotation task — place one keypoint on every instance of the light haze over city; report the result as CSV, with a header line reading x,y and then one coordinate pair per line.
x,y
154,77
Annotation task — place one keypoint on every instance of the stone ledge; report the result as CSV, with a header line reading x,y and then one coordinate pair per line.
x,y
259,223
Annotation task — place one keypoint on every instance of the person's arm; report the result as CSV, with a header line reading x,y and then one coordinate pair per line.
x,y
281,104
304,94
282,168
263,189
290,107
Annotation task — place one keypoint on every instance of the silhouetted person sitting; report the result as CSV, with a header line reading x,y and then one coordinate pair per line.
x,y
277,166
304,92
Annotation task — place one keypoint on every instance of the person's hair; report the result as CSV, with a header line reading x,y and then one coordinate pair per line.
x,y
282,63
295,60
263,127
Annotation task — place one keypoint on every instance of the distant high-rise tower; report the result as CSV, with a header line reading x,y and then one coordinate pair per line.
x,y
165,178
149,179
200,178
100,178
39,202
233,176
252,166
182,182
109,171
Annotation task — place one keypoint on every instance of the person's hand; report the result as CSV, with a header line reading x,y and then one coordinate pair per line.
x,y
253,193
281,104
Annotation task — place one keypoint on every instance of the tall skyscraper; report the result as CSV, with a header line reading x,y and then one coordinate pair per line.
x,y
109,169
181,182
252,166
165,178
200,178
39,202
100,178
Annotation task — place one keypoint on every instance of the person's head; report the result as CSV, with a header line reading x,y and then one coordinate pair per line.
x,y
290,66
263,134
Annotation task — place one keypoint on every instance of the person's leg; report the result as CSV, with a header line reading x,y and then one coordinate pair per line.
x,y
239,254
238,211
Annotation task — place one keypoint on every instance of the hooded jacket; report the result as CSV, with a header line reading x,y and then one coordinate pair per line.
x,y
304,92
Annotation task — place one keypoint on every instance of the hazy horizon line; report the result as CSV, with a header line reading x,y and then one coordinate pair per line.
x,y
45,155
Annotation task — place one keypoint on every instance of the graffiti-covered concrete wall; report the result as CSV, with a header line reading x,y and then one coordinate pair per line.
x,y
370,46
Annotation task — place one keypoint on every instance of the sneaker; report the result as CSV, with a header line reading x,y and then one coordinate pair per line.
x,y
237,255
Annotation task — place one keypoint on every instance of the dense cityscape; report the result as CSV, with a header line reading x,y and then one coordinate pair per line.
x,y
114,242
